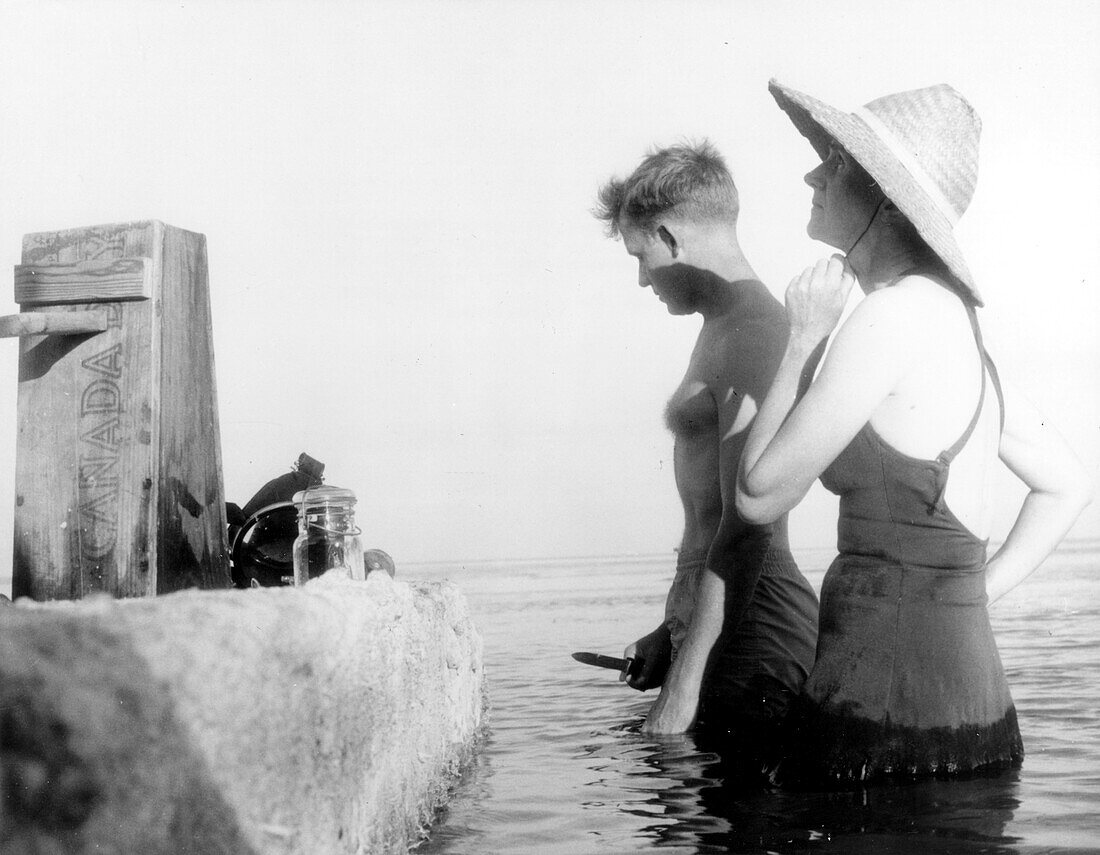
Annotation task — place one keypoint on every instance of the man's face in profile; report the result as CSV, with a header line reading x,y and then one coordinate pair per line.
x,y
658,267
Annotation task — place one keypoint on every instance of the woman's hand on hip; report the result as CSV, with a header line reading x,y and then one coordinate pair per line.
x,y
816,299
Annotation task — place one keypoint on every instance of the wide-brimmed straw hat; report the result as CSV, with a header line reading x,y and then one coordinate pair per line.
x,y
921,147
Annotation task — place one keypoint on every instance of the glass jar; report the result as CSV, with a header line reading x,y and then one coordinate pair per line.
x,y
328,538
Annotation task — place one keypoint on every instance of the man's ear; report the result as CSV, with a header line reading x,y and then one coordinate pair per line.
x,y
669,240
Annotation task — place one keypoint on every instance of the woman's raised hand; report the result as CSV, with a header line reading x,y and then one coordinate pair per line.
x,y
816,298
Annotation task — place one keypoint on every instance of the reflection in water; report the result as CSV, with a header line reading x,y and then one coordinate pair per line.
x,y
689,801
565,770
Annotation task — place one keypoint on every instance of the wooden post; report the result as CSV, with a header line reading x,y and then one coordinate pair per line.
x,y
118,459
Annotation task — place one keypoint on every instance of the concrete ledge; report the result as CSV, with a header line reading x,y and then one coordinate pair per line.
x,y
327,719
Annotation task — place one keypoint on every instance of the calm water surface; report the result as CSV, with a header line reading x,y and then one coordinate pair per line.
x,y
564,770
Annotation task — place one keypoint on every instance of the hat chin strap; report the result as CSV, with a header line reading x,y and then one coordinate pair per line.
x,y
867,228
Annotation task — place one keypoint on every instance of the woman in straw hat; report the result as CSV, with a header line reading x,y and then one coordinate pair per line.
x,y
907,679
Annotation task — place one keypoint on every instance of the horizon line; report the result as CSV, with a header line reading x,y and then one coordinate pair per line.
x,y
1072,543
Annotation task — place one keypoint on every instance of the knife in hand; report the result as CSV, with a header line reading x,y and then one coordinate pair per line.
x,y
601,661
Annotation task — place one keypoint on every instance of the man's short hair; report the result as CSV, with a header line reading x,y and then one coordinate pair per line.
x,y
690,181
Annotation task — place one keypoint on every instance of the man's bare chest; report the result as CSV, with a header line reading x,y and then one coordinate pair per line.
x,y
692,411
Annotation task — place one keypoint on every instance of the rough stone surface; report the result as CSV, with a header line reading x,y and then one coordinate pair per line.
x,y
327,719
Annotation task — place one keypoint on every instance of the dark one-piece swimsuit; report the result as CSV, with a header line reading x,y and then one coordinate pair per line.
x,y
907,680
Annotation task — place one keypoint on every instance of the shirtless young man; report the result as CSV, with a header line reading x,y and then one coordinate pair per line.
x,y
740,621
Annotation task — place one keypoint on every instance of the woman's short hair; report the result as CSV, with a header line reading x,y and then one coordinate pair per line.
x,y
689,180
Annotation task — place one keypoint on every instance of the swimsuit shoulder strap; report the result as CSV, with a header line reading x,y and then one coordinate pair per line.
x,y
987,366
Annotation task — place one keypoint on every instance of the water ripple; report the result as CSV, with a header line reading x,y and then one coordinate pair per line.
x,y
565,769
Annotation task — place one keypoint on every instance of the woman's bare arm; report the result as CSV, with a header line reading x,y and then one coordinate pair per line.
x,y
1059,489
795,437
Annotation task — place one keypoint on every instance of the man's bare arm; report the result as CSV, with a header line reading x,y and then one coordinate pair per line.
x,y
744,368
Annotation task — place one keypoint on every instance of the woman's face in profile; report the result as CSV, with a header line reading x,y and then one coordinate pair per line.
x,y
843,201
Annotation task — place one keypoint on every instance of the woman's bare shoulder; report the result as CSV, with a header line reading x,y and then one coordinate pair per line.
x,y
905,304
921,290
893,324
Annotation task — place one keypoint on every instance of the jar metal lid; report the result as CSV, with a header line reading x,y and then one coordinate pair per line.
x,y
324,494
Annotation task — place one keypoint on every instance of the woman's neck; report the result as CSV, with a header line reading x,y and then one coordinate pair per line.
x,y
880,258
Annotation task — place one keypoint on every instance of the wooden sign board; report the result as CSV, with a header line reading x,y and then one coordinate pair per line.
x,y
118,458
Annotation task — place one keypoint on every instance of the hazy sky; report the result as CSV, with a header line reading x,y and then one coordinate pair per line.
x,y
406,280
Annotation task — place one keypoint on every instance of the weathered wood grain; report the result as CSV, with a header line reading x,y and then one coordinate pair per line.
x,y
56,323
190,498
96,280
118,464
